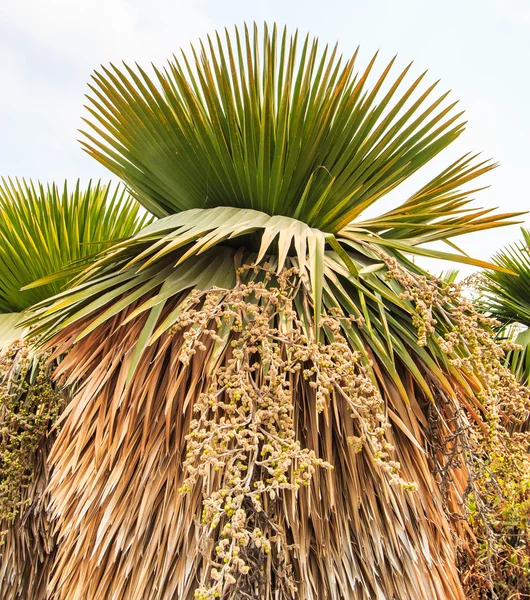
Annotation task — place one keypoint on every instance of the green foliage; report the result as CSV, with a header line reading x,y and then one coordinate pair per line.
x,y
265,121
508,295
53,234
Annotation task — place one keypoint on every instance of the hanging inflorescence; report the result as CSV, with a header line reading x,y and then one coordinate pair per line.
x,y
243,446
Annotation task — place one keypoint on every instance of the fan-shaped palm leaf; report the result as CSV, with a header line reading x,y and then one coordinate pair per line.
x,y
286,130
50,234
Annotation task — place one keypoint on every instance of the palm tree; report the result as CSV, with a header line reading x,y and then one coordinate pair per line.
x,y
507,299
46,234
268,379
504,296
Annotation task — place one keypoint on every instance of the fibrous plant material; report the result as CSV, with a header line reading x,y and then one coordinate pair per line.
x,y
29,405
47,234
292,482
261,408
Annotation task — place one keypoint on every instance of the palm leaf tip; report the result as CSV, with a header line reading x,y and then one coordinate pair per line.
x,y
261,120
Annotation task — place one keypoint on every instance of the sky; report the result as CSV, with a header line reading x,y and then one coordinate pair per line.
x,y
480,49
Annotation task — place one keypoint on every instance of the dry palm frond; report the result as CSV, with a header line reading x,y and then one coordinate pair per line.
x,y
126,528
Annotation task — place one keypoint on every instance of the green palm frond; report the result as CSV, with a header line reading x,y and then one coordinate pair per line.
x,y
507,298
273,145
508,294
449,276
51,234
276,124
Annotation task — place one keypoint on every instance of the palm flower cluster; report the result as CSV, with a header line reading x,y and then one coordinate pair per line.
x,y
29,406
244,444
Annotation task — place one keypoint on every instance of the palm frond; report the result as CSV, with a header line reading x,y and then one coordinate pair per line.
x,y
51,234
265,121
506,296
519,359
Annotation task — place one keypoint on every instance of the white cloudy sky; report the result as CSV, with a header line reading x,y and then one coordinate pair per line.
x,y
479,48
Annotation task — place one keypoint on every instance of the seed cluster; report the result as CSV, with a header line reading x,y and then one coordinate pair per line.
x,y
242,448
29,404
